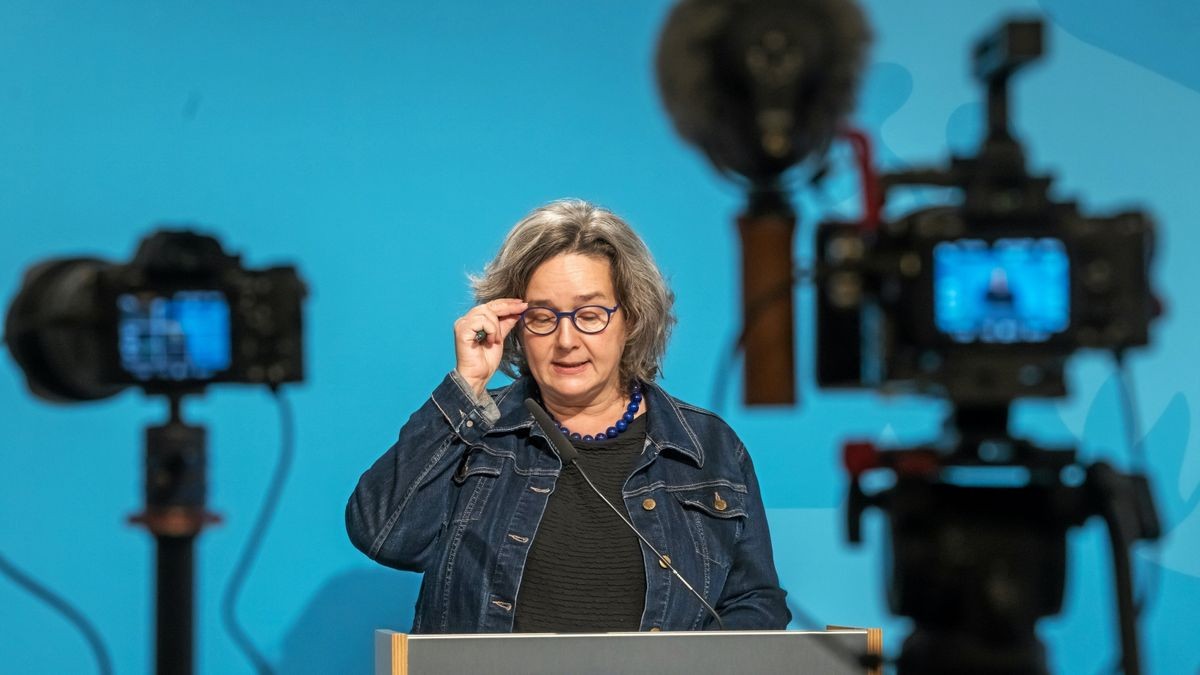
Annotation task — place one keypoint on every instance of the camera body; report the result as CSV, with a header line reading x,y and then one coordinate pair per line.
x,y
980,302
181,315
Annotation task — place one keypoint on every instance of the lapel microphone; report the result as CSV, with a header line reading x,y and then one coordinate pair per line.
x,y
569,455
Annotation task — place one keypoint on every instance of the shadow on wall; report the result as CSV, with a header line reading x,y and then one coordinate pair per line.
x,y
335,629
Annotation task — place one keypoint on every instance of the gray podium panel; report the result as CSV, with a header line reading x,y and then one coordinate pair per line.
x,y
759,652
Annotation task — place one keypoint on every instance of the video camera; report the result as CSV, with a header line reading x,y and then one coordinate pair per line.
x,y
181,315
981,302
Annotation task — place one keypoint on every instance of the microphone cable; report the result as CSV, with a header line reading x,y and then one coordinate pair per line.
x,y
63,607
567,453
253,543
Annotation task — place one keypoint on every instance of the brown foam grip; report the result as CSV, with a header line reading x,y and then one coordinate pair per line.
x,y
767,309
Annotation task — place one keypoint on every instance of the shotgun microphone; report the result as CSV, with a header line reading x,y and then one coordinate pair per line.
x,y
569,455
562,447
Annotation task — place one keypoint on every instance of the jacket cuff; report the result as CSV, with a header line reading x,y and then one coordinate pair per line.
x,y
470,417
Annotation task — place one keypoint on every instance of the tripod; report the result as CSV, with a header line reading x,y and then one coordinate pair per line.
x,y
175,514
976,566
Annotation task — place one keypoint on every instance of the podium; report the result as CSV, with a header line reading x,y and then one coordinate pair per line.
x,y
832,652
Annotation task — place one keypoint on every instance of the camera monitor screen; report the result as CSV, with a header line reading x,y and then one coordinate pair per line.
x,y
184,336
1009,291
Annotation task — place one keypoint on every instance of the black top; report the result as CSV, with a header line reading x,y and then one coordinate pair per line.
x,y
585,572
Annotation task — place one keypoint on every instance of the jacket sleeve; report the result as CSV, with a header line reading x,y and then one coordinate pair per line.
x,y
402,502
752,598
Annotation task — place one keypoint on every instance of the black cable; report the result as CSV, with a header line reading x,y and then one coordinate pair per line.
x,y
1139,463
1133,423
754,310
60,605
1104,478
270,502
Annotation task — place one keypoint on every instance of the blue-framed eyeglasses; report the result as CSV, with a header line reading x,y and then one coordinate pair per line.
x,y
590,319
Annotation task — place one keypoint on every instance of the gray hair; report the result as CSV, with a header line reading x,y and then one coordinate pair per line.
x,y
576,226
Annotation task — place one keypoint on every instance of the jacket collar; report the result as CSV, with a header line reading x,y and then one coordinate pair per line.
x,y
666,426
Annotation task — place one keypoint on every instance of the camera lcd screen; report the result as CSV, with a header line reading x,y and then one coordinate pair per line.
x,y
184,336
1009,291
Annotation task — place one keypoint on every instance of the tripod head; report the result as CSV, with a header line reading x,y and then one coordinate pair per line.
x,y
978,523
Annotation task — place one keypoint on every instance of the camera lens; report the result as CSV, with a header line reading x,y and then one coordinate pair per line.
x,y
53,331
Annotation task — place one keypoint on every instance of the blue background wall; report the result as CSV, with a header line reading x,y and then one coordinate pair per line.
x,y
385,147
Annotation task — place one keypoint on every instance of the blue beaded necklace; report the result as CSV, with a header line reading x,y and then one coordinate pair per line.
x,y
635,402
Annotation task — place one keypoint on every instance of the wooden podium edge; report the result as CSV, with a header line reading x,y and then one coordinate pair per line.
x,y
874,644
397,644
391,652
400,654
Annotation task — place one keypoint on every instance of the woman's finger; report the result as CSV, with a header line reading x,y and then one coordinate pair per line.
x,y
481,327
507,323
506,306
490,322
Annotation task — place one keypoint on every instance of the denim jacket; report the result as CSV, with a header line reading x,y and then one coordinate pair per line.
x,y
460,495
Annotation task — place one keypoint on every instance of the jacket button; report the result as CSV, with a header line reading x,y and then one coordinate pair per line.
x,y
470,423
664,561
655,629
648,504
718,503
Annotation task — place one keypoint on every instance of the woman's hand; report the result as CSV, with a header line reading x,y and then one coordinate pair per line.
x,y
477,360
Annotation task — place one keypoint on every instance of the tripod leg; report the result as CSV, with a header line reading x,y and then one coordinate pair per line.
x,y
174,609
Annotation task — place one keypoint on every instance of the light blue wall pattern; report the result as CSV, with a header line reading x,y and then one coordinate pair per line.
x,y
385,147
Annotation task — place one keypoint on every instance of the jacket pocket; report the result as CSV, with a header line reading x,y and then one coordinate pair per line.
x,y
475,477
715,518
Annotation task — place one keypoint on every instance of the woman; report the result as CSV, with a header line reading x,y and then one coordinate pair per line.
x,y
472,495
